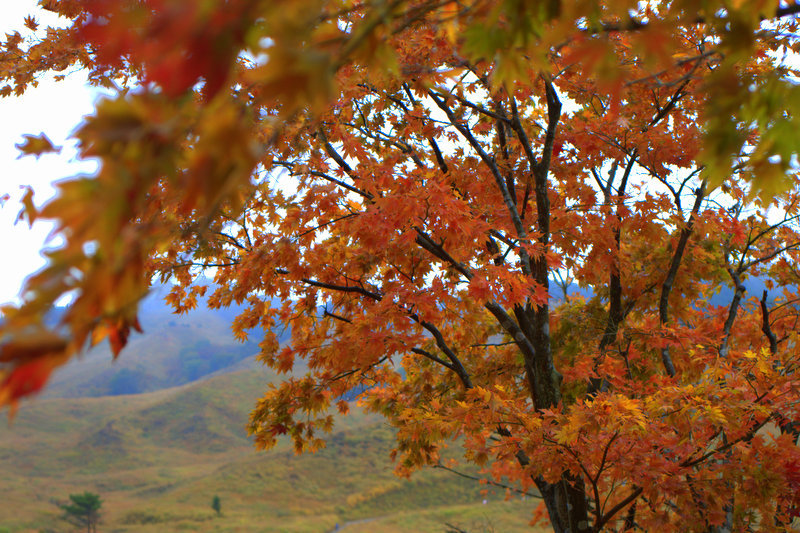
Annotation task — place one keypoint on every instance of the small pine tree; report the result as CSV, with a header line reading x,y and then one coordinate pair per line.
x,y
216,504
83,511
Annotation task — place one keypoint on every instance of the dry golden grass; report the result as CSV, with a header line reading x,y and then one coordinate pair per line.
x,y
158,459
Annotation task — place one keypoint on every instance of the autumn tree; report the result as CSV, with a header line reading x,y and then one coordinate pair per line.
x,y
498,222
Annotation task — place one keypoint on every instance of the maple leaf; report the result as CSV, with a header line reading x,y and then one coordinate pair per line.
x,y
36,145
31,23
25,380
33,358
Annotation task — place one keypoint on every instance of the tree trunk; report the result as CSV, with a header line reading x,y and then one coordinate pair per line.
x,y
566,504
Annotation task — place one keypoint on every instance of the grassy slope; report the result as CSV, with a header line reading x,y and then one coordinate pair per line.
x,y
157,459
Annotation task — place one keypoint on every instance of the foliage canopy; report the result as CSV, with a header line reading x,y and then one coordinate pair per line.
x,y
416,180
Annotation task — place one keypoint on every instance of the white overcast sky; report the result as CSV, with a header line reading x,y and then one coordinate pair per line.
x,y
55,108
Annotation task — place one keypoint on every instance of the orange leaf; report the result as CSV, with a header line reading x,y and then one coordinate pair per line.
x,y
118,338
31,23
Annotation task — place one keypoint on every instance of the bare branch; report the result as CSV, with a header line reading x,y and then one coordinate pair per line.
x,y
633,24
289,165
487,481
499,180
357,289
467,103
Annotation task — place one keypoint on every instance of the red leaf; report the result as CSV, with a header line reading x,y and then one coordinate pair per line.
x,y
118,338
26,379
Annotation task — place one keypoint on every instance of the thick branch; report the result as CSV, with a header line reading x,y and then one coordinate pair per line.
x,y
553,117
765,325
426,242
617,508
666,287
439,158
615,311
455,365
512,328
739,291
432,357
500,126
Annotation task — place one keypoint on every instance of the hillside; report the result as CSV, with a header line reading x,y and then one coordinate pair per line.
x,y
157,459
174,350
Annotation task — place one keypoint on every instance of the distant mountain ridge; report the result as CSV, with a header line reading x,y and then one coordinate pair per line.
x,y
179,349
174,350
723,297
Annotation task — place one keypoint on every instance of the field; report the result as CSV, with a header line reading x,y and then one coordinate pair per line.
x,y
157,459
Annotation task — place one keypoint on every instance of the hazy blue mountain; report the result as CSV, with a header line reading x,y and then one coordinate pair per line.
x,y
174,350
753,287
180,349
